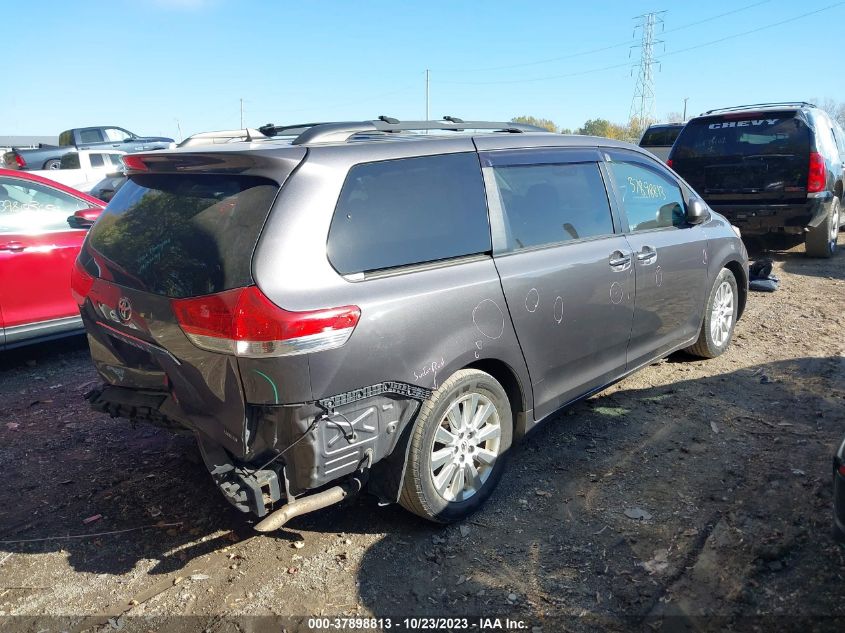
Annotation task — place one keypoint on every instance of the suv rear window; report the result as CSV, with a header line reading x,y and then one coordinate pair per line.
x,y
181,235
660,137
408,211
743,135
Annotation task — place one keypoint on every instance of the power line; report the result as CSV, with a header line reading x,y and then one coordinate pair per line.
x,y
598,50
757,30
626,64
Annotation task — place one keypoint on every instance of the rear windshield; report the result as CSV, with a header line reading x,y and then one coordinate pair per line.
x,y
181,235
751,135
660,137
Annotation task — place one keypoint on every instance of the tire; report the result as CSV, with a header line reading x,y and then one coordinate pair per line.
x,y
444,494
716,331
53,163
821,240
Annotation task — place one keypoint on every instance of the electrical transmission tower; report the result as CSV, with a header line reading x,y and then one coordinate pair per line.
x,y
642,106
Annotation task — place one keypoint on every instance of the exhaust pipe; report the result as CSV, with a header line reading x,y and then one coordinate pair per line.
x,y
308,504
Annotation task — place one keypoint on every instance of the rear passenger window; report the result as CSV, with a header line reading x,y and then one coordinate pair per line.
x,y
409,211
96,160
90,136
649,199
552,203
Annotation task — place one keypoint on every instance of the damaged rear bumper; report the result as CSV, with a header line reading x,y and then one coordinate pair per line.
x,y
291,449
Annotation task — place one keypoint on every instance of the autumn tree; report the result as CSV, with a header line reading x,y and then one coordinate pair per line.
x,y
551,126
602,127
835,109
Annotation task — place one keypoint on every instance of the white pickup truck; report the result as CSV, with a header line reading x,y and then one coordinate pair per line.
x,y
84,168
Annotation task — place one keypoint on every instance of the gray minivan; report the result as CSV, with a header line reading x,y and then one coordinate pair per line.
x,y
389,305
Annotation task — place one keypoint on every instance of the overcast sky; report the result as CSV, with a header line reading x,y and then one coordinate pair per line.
x,y
147,64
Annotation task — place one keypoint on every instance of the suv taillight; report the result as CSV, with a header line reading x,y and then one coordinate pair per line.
x,y
816,178
244,322
80,283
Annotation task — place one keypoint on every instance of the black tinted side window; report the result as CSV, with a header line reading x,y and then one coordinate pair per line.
x,y
552,203
408,211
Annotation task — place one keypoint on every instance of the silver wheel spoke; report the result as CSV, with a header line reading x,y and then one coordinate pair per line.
x,y
487,432
456,487
485,456
438,458
453,415
482,415
444,437
469,411
471,475
442,481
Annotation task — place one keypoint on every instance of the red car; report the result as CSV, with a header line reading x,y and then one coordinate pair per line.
x,y
42,226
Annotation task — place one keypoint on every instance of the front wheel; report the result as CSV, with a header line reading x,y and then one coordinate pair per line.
x,y
821,240
720,314
458,447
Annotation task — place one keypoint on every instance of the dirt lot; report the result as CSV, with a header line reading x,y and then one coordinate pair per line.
x,y
727,462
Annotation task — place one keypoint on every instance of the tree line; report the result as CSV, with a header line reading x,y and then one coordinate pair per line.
x,y
630,131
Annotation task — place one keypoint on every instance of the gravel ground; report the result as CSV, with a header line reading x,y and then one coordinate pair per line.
x,y
692,495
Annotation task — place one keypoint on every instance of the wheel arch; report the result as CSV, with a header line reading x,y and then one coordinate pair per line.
x,y
510,382
741,275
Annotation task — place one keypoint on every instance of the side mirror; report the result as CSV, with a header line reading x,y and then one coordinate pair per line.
x,y
84,218
697,211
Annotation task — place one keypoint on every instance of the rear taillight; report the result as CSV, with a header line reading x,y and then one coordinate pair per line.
x,y
20,161
669,162
80,283
135,163
244,322
816,178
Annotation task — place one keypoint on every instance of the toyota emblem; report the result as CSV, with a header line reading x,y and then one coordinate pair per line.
x,y
124,310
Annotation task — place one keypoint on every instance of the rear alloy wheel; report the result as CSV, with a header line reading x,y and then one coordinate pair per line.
x,y
53,163
458,447
720,314
821,240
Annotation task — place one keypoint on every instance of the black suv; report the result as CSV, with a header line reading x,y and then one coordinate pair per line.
x,y
768,168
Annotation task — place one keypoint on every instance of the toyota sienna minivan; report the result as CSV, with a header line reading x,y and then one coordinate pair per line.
x,y
388,305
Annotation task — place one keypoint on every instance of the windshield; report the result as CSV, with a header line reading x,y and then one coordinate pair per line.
x,y
660,136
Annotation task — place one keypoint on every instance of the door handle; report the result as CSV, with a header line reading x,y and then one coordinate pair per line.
x,y
619,260
15,247
647,255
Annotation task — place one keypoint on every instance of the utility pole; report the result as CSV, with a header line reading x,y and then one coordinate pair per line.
x,y
685,107
242,113
642,105
427,77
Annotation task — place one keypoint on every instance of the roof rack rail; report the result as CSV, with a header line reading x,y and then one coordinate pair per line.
x,y
761,105
343,131
296,129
